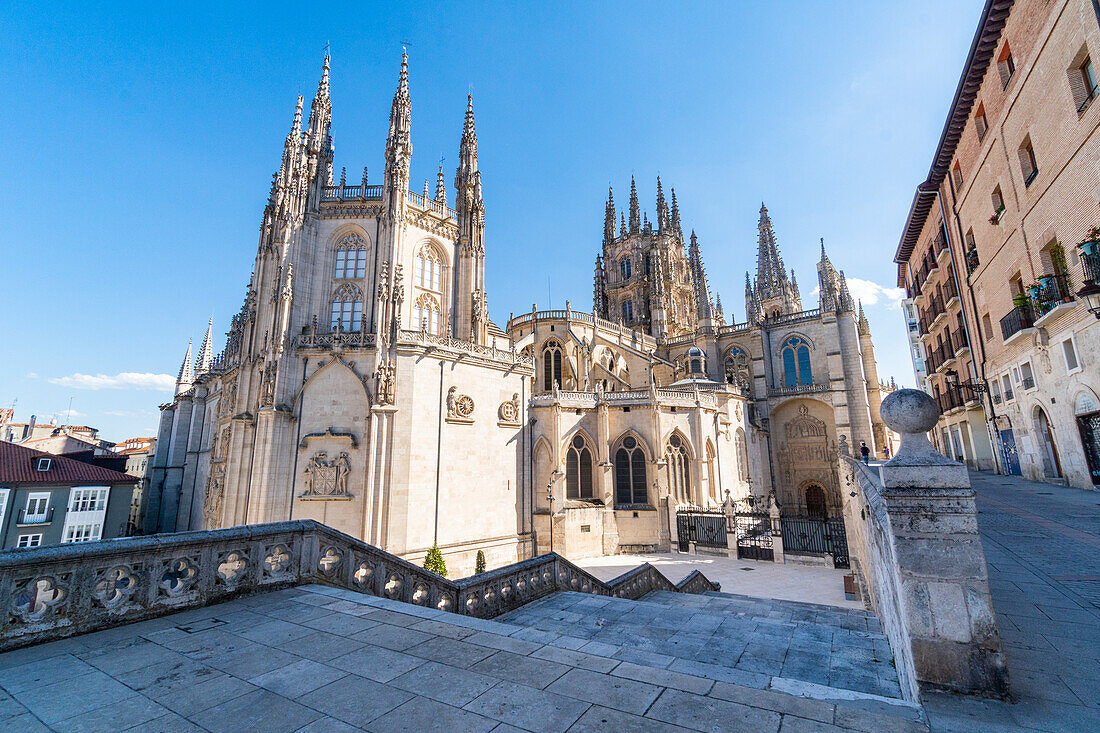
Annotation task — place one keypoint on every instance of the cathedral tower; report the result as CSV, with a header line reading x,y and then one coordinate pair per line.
x,y
774,293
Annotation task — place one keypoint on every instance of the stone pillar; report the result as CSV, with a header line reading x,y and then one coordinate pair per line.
x,y
941,578
777,529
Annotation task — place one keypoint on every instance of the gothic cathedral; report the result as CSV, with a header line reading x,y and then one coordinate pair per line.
x,y
363,384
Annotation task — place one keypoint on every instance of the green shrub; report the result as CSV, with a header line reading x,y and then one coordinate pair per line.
x,y
433,561
479,564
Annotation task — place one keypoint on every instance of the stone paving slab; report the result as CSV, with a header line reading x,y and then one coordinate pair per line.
x,y
738,639
155,676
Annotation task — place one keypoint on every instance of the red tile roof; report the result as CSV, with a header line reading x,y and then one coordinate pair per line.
x,y
17,466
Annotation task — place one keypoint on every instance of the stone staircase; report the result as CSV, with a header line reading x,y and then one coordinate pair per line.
x,y
807,650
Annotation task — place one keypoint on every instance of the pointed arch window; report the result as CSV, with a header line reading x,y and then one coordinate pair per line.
x,y
628,311
428,272
351,258
738,368
578,470
426,314
630,473
676,460
551,365
347,308
624,268
797,371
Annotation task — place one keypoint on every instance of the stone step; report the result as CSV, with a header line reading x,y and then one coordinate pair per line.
x,y
696,701
746,641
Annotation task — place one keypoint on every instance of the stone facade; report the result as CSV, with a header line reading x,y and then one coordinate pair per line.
x,y
990,251
363,385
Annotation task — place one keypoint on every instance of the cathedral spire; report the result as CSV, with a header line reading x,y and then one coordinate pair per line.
x,y
719,314
320,112
675,221
662,208
770,272
635,212
864,326
398,143
187,372
206,351
609,217
440,185
699,279
622,224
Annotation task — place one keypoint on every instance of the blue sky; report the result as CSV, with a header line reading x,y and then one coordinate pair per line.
x,y
141,141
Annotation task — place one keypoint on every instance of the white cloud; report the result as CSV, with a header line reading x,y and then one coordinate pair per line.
x,y
122,380
870,293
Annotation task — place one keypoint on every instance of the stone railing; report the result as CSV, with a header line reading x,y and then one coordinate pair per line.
x,y
913,540
436,207
492,353
351,193
665,397
316,339
797,389
53,592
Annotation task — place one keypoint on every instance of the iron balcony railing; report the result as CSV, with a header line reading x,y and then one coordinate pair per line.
x,y
936,306
961,341
1090,267
1053,291
1016,320
949,290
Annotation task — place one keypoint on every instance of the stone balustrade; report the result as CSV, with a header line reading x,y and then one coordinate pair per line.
x,y
913,538
459,346
639,397
53,592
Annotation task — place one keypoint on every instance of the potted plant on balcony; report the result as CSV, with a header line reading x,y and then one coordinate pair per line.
x,y
1021,301
1091,240
996,218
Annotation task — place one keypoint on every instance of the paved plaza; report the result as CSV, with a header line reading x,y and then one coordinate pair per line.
x,y
757,578
322,659
1042,545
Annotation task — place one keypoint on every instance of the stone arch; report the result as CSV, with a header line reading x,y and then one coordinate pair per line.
x,y
1048,447
579,452
710,463
334,363
678,456
815,498
1085,402
631,462
543,466
647,448
737,366
349,249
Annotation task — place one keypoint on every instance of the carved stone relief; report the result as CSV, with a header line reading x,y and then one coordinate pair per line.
x,y
327,478
508,412
460,407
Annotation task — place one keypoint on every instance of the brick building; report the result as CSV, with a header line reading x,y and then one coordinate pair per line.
x,y
997,250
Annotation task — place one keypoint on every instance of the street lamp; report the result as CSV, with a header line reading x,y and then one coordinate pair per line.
x,y
1090,293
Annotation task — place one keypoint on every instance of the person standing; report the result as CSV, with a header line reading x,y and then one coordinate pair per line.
x,y
864,450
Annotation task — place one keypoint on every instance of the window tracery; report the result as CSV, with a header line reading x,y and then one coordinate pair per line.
x,y
428,271
347,308
426,314
551,365
676,459
630,473
797,371
738,368
351,258
578,470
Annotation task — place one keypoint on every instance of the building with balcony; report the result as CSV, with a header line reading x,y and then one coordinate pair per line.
x,y
47,499
996,247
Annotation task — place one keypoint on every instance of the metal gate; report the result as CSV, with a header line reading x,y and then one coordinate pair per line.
x,y
816,536
1089,425
754,536
705,529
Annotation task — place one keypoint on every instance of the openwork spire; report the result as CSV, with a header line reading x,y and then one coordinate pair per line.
x,y
699,278
206,351
440,185
609,217
770,273
320,112
675,220
635,211
662,208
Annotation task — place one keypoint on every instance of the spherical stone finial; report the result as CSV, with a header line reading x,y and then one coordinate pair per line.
x,y
910,411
